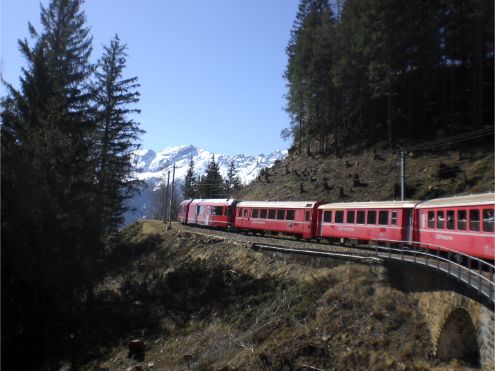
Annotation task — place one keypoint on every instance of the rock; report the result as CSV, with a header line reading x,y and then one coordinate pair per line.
x,y
136,349
151,364
105,366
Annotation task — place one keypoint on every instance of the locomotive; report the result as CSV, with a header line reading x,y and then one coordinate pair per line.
x,y
463,224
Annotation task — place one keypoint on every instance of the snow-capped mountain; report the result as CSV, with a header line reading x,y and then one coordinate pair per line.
x,y
152,167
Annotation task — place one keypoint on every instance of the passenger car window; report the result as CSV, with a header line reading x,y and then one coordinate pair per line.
x,y
245,213
217,210
431,219
307,216
327,217
290,214
461,220
240,213
360,217
255,213
440,219
280,214
271,214
339,216
263,214
474,220
488,216
350,216
371,217
450,219
383,217
394,217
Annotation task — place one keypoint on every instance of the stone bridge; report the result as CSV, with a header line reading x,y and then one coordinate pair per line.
x,y
462,325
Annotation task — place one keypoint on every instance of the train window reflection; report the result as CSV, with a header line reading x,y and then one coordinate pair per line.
x,y
372,217
474,220
360,217
461,220
217,210
290,214
350,216
450,219
383,217
394,217
488,216
440,219
431,219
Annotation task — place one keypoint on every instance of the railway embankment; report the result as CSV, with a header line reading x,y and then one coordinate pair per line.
x,y
200,300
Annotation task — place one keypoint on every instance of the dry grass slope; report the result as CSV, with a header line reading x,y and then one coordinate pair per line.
x,y
201,302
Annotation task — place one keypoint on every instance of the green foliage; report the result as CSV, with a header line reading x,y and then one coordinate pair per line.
x,y
232,181
189,188
65,171
383,70
211,184
116,135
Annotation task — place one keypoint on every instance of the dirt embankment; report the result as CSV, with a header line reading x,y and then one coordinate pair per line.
x,y
201,302
374,175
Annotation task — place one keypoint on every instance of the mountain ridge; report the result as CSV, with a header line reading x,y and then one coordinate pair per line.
x,y
153,167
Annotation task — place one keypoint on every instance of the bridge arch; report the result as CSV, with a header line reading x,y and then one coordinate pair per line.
x,y
458,338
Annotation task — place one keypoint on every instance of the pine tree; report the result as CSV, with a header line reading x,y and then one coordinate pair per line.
x,y
232,181
189,186
116,135
211,184
49,172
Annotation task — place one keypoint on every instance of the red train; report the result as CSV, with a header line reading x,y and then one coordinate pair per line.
x,y
463,224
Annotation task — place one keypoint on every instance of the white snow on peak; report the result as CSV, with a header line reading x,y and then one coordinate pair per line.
x,y
153,167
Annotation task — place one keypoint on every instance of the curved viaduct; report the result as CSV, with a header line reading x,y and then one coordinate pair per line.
x,y
462,325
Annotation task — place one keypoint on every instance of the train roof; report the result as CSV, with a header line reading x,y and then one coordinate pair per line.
x,y
278,204
369,205
215,201
471,200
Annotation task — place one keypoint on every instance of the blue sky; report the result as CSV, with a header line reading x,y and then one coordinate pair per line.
x,y
210,70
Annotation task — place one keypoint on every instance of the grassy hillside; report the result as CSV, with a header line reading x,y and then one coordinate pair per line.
x,y
374,175
200,302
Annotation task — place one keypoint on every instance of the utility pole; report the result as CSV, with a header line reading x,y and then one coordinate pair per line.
x,y
171,199
402,174
165,200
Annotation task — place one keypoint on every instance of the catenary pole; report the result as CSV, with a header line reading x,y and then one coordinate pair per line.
x,y
171,199
166,199
402,175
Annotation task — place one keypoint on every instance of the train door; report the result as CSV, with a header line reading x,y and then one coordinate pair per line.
x,y
409,224
320,222
196,214
207,216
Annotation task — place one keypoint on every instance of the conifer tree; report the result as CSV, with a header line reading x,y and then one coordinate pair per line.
x,y
211,184
232,181
116,135
49,174
189,186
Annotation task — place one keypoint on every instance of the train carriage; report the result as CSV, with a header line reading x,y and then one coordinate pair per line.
x,y
286,217
384,221
183,211
464,224
218,213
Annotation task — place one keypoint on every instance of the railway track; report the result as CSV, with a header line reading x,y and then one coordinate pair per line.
x,y
477,275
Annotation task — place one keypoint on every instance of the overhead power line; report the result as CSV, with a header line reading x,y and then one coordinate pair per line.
x,y
451,140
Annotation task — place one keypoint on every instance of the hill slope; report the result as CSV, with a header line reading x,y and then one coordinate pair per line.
x,y
374,175
201,302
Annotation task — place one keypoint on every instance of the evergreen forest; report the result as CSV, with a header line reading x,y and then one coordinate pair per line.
x,y
398,72
67,136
